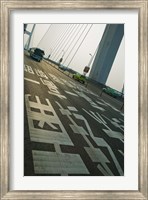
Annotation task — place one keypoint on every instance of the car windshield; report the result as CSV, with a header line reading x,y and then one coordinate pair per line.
x,y
39,51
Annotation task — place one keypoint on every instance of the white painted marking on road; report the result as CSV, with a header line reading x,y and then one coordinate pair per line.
x,y
78,129
107,169
121,114
122,120
103,104
80,117
74,126
57,148
55,78
115,109
73,94
88,99
59,105
29,69
33,81
118,126
98,141
58,95
58,163
114,134
41,73
101,142
107,172
98,107
102,170
55,134
72,108
114,122
100,117
88,141
67,83
97,155
74,85
121,152
97,118
53,90
51,86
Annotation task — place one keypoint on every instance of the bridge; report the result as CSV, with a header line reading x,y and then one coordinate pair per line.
x,y
70,128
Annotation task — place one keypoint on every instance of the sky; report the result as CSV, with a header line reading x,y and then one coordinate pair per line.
x,y
77,44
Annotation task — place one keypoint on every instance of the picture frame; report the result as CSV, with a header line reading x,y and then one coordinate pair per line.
x,y
142,7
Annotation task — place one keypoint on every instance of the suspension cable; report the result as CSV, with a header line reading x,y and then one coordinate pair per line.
x,y
80,44
57,46
68,39
45,34
65,38
54,43
76,43
77,31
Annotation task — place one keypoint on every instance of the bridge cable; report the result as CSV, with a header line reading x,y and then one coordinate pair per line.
x,y
80,45
70,39
60,38
76,43
74,37
55,42
64,39
44,34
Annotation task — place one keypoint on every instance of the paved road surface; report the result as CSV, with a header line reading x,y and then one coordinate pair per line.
x,y
68,129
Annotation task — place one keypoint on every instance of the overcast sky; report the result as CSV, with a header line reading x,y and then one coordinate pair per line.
x,y
77,43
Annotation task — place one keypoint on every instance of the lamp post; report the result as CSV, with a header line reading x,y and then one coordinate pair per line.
x,y
61,59
90,60
92,56
86,69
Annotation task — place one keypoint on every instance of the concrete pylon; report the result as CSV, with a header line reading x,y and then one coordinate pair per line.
x,y
106,53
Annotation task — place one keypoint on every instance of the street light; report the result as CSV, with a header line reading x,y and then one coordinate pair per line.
x,y
90,60
87,68
61,59
92,56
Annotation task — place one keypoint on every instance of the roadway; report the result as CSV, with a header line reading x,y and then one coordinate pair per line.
x,y
69,130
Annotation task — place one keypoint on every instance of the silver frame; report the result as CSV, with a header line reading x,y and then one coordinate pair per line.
x,y
142,7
